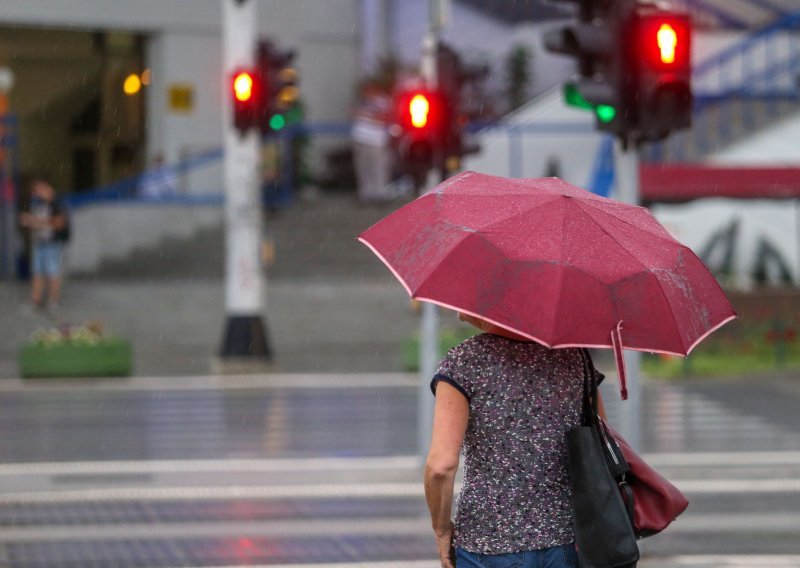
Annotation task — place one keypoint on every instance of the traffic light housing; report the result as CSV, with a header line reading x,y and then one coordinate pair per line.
x,y
282,94
429,123
597,43
422,124
664,95
265,96
633,65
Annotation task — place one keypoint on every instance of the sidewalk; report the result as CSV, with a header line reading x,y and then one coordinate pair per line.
x,y
176,326
330,304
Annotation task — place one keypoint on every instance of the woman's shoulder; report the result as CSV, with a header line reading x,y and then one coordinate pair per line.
x,y
482,344
472,346
480,341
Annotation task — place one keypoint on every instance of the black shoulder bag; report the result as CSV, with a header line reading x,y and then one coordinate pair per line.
x,y
603,526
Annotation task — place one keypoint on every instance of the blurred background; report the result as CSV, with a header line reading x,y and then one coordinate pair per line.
x,y
135,430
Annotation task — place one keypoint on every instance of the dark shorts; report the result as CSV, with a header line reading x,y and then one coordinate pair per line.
x,y
564,556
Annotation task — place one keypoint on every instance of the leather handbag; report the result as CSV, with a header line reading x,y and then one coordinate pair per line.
x,y
603,529
656,501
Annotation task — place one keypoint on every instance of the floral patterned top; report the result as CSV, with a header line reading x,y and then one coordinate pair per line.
x,y
523,398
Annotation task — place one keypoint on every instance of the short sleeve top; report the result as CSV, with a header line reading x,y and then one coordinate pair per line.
x,y
523,398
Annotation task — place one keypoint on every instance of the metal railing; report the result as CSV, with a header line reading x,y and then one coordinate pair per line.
x,y
127,189
708,15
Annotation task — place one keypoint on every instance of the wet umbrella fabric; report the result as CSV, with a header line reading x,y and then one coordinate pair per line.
x,y
552,262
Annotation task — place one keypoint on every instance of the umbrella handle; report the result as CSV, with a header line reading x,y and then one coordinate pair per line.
x,y
616,341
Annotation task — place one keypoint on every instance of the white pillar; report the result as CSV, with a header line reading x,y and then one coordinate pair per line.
x,y
244,281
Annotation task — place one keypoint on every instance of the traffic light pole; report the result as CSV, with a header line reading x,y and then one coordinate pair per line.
x,y
245,336
626,169
429,326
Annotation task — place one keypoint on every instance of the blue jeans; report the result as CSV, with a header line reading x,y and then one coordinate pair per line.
x,y
564,556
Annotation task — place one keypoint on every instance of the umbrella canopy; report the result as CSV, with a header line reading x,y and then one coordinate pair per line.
x,y
552,262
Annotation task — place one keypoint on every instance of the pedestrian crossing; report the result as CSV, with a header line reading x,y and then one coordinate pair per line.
x,y
283,499
374,522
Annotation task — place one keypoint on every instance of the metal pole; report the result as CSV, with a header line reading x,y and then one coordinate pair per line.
x,y
428,359
245,332
7,201
429,325
627,191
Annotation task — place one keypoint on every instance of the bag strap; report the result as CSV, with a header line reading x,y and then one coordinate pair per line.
x,y
613,455
616,461
589,390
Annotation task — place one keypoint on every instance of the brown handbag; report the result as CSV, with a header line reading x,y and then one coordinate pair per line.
x,y
652,501
656,501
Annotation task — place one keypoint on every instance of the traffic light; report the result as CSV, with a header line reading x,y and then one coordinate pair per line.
x,y
282,95
633,66
664,94
247,95
421,124
598,43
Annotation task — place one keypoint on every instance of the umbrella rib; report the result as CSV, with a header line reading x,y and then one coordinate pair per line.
x,y
613,238
644,266
667,238
562,265
671,312
527,210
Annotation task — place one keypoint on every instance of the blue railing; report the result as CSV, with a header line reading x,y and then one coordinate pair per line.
x,y
128,188
707,14
275,193
740,54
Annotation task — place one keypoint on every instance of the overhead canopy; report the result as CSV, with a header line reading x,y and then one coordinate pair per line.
x,y
685,182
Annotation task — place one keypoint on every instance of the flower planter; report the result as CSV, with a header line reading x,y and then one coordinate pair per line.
x,y
108,358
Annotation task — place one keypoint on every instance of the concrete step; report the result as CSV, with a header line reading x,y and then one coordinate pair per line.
x,y
313,239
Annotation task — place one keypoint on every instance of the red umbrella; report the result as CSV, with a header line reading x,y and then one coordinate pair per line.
x,y
552,262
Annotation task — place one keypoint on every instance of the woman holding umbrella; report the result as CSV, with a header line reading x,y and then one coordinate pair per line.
x,y
545,268
509,401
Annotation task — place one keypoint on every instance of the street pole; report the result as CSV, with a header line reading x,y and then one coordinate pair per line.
x,y
8,205
429,326
627,190
245,334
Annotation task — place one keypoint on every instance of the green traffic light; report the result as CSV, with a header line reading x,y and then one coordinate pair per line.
x,y
605,113
277,122
574,98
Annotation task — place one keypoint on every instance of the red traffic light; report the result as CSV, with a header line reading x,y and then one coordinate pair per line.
x,y
418,109
421,112
665,40
247,92
243,86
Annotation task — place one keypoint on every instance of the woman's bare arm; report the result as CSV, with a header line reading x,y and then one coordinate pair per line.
x,y
450,419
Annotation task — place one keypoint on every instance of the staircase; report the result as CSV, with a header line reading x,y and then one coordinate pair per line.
x,y
313,240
